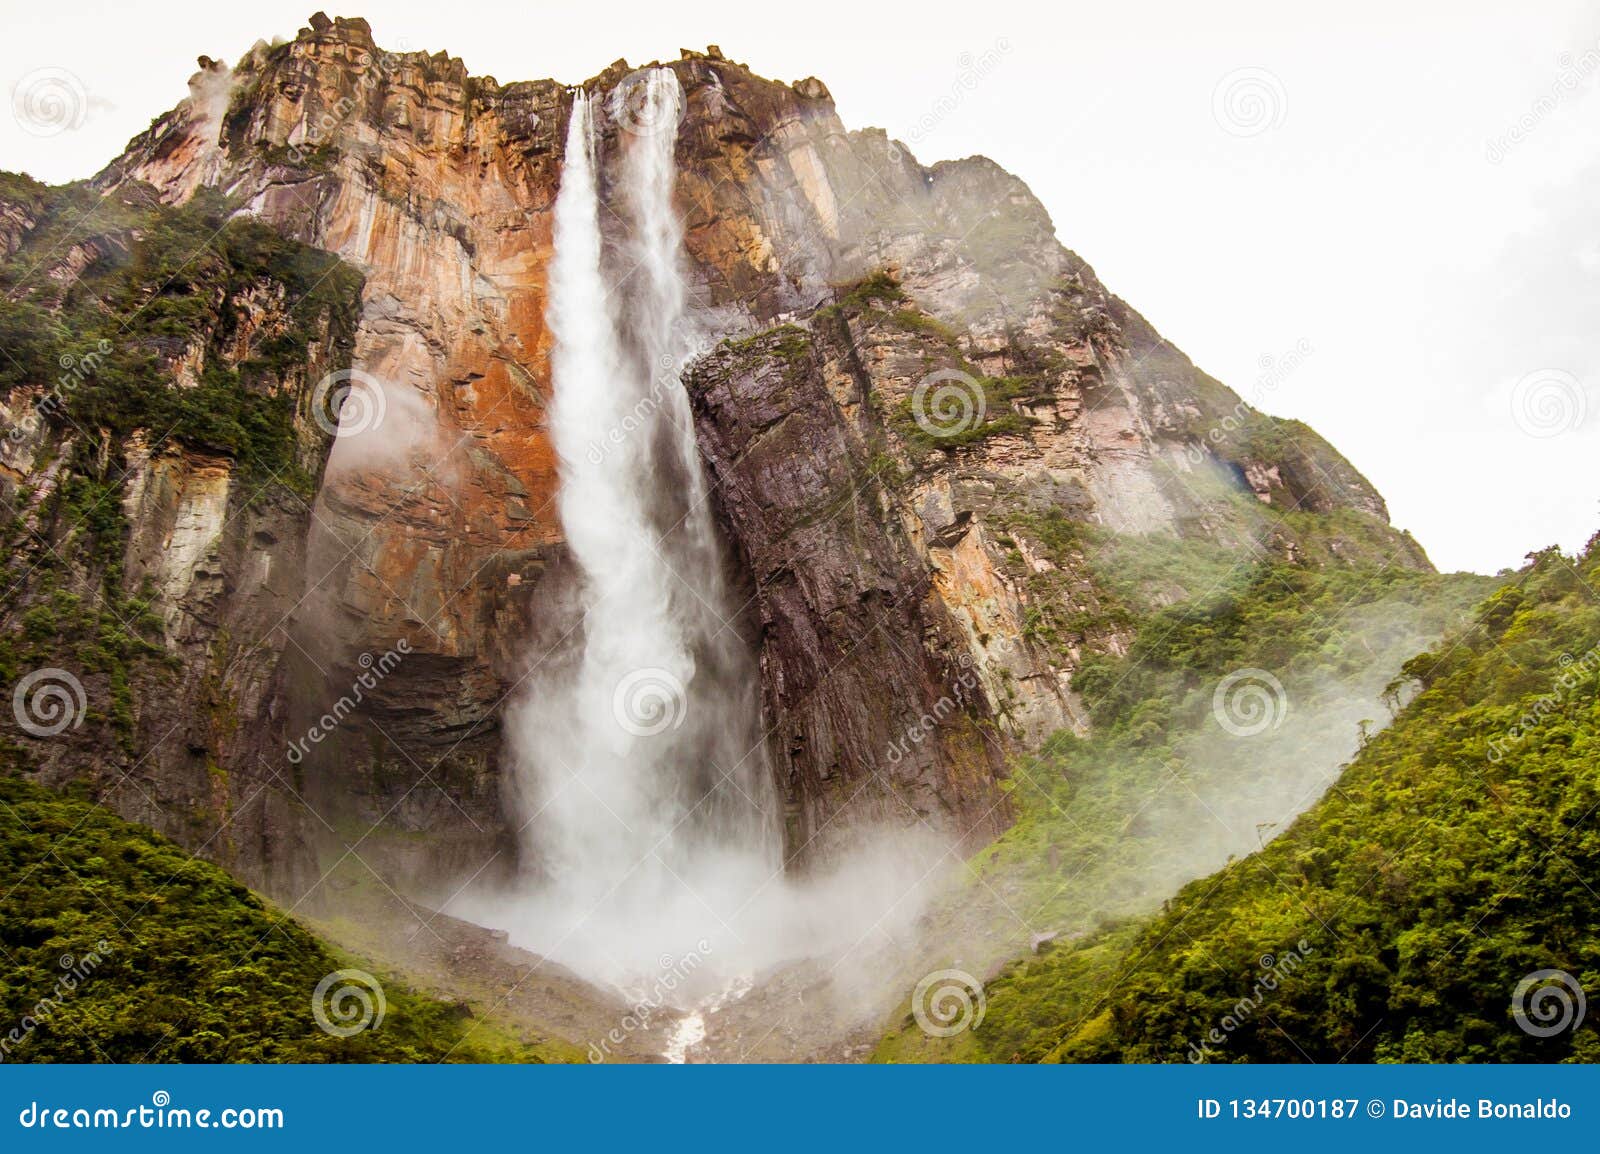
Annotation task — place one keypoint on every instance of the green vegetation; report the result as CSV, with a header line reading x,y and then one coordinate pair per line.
x,y
1399,913
877,290
157,280
101,629
976,408
193,966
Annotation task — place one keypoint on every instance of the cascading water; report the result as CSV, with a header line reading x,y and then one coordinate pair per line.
x,y
641,767
641,770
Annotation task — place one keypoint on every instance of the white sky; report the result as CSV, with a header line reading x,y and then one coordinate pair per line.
x,y
1366,220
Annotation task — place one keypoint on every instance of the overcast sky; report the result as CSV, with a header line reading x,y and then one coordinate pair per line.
x,y
1406,191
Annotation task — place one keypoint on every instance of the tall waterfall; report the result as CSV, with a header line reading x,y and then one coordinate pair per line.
x,y
651,818
651,810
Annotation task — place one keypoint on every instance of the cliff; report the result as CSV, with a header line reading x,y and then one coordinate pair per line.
x,y
929,427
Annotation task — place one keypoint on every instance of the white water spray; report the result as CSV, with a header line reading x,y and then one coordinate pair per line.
x,y
641,766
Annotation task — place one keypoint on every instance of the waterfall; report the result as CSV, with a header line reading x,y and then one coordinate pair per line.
x,y
651,822
640,763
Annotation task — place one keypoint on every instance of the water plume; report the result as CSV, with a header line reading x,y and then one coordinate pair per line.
x,y
652,827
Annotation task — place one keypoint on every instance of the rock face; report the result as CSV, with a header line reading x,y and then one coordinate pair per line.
x,y
155,547
916,388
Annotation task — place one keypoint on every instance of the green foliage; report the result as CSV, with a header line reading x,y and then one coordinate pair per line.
x,y
194,967
163,279
1445,867
876,290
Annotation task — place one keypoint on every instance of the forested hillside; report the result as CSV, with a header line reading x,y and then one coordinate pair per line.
x,y
1430,904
